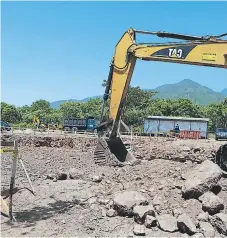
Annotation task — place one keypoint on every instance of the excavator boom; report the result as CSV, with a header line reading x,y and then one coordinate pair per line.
x,y
208,51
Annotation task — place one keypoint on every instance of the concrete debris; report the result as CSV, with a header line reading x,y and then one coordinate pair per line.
x,y
150,221
211,203
186,225
124,201
139,230
207,229
140,213
111,213
167,222
203,216
219,221
201,179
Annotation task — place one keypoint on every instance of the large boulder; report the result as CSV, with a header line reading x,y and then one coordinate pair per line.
x,y
219,221
125,201
167,222
211,203
186,225
201,179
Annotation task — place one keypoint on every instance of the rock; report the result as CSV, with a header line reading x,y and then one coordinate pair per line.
x,y
150,221
55,180
96,179
185,149
103,201
111,213
203,216
124,201
178,184
196,149
177,212
140,213
75,173
211,203
201,179
60,175
186,225
157,200
223,184
166,222
198,235
50,176
219,221
207,229
139,230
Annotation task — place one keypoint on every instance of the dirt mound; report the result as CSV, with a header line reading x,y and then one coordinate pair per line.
x,y
85,194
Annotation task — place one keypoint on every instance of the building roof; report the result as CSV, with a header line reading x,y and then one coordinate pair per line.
x,y
178,118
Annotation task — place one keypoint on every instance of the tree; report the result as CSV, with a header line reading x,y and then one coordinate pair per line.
x,y
41,105
73,109
9,113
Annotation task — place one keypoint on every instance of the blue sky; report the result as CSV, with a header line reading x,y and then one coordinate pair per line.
x,y
62,50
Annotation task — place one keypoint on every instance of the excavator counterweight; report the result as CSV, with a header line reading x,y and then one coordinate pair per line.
x,y
194,50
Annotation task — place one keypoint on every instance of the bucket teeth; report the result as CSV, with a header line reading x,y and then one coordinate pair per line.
x,y
112,152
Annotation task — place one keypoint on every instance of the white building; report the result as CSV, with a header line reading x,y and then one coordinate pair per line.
x,y
162,124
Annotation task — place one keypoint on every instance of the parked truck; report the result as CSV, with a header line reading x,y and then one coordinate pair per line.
x,y
80,124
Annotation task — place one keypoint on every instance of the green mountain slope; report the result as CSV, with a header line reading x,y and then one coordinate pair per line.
x,y
56,104
185,89
189,89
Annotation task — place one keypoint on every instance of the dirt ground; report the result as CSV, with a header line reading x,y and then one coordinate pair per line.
x,y
77,207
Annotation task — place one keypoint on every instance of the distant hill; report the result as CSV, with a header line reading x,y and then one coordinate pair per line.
x,y
224,92
189,89
185,89
56,104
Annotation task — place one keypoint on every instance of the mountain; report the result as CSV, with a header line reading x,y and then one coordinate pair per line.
x,y
189,89
184,89
224,92
56,104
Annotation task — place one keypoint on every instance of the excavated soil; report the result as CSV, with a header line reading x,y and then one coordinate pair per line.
x,y
77,207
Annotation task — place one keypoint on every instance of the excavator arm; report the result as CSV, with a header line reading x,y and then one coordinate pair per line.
x,y
208,51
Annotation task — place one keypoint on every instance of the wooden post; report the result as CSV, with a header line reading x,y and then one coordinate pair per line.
x,y
12,179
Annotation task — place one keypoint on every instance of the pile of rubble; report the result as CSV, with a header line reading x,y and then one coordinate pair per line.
x,y
200,183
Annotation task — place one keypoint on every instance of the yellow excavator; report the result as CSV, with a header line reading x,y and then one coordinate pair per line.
x,y
208,51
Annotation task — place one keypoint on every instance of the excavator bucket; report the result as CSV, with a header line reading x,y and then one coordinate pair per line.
x,y
112,152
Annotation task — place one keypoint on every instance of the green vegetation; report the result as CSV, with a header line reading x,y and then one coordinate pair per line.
x,y
185,89
140,103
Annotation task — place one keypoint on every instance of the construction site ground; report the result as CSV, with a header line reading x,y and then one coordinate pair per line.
x,y
77,205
